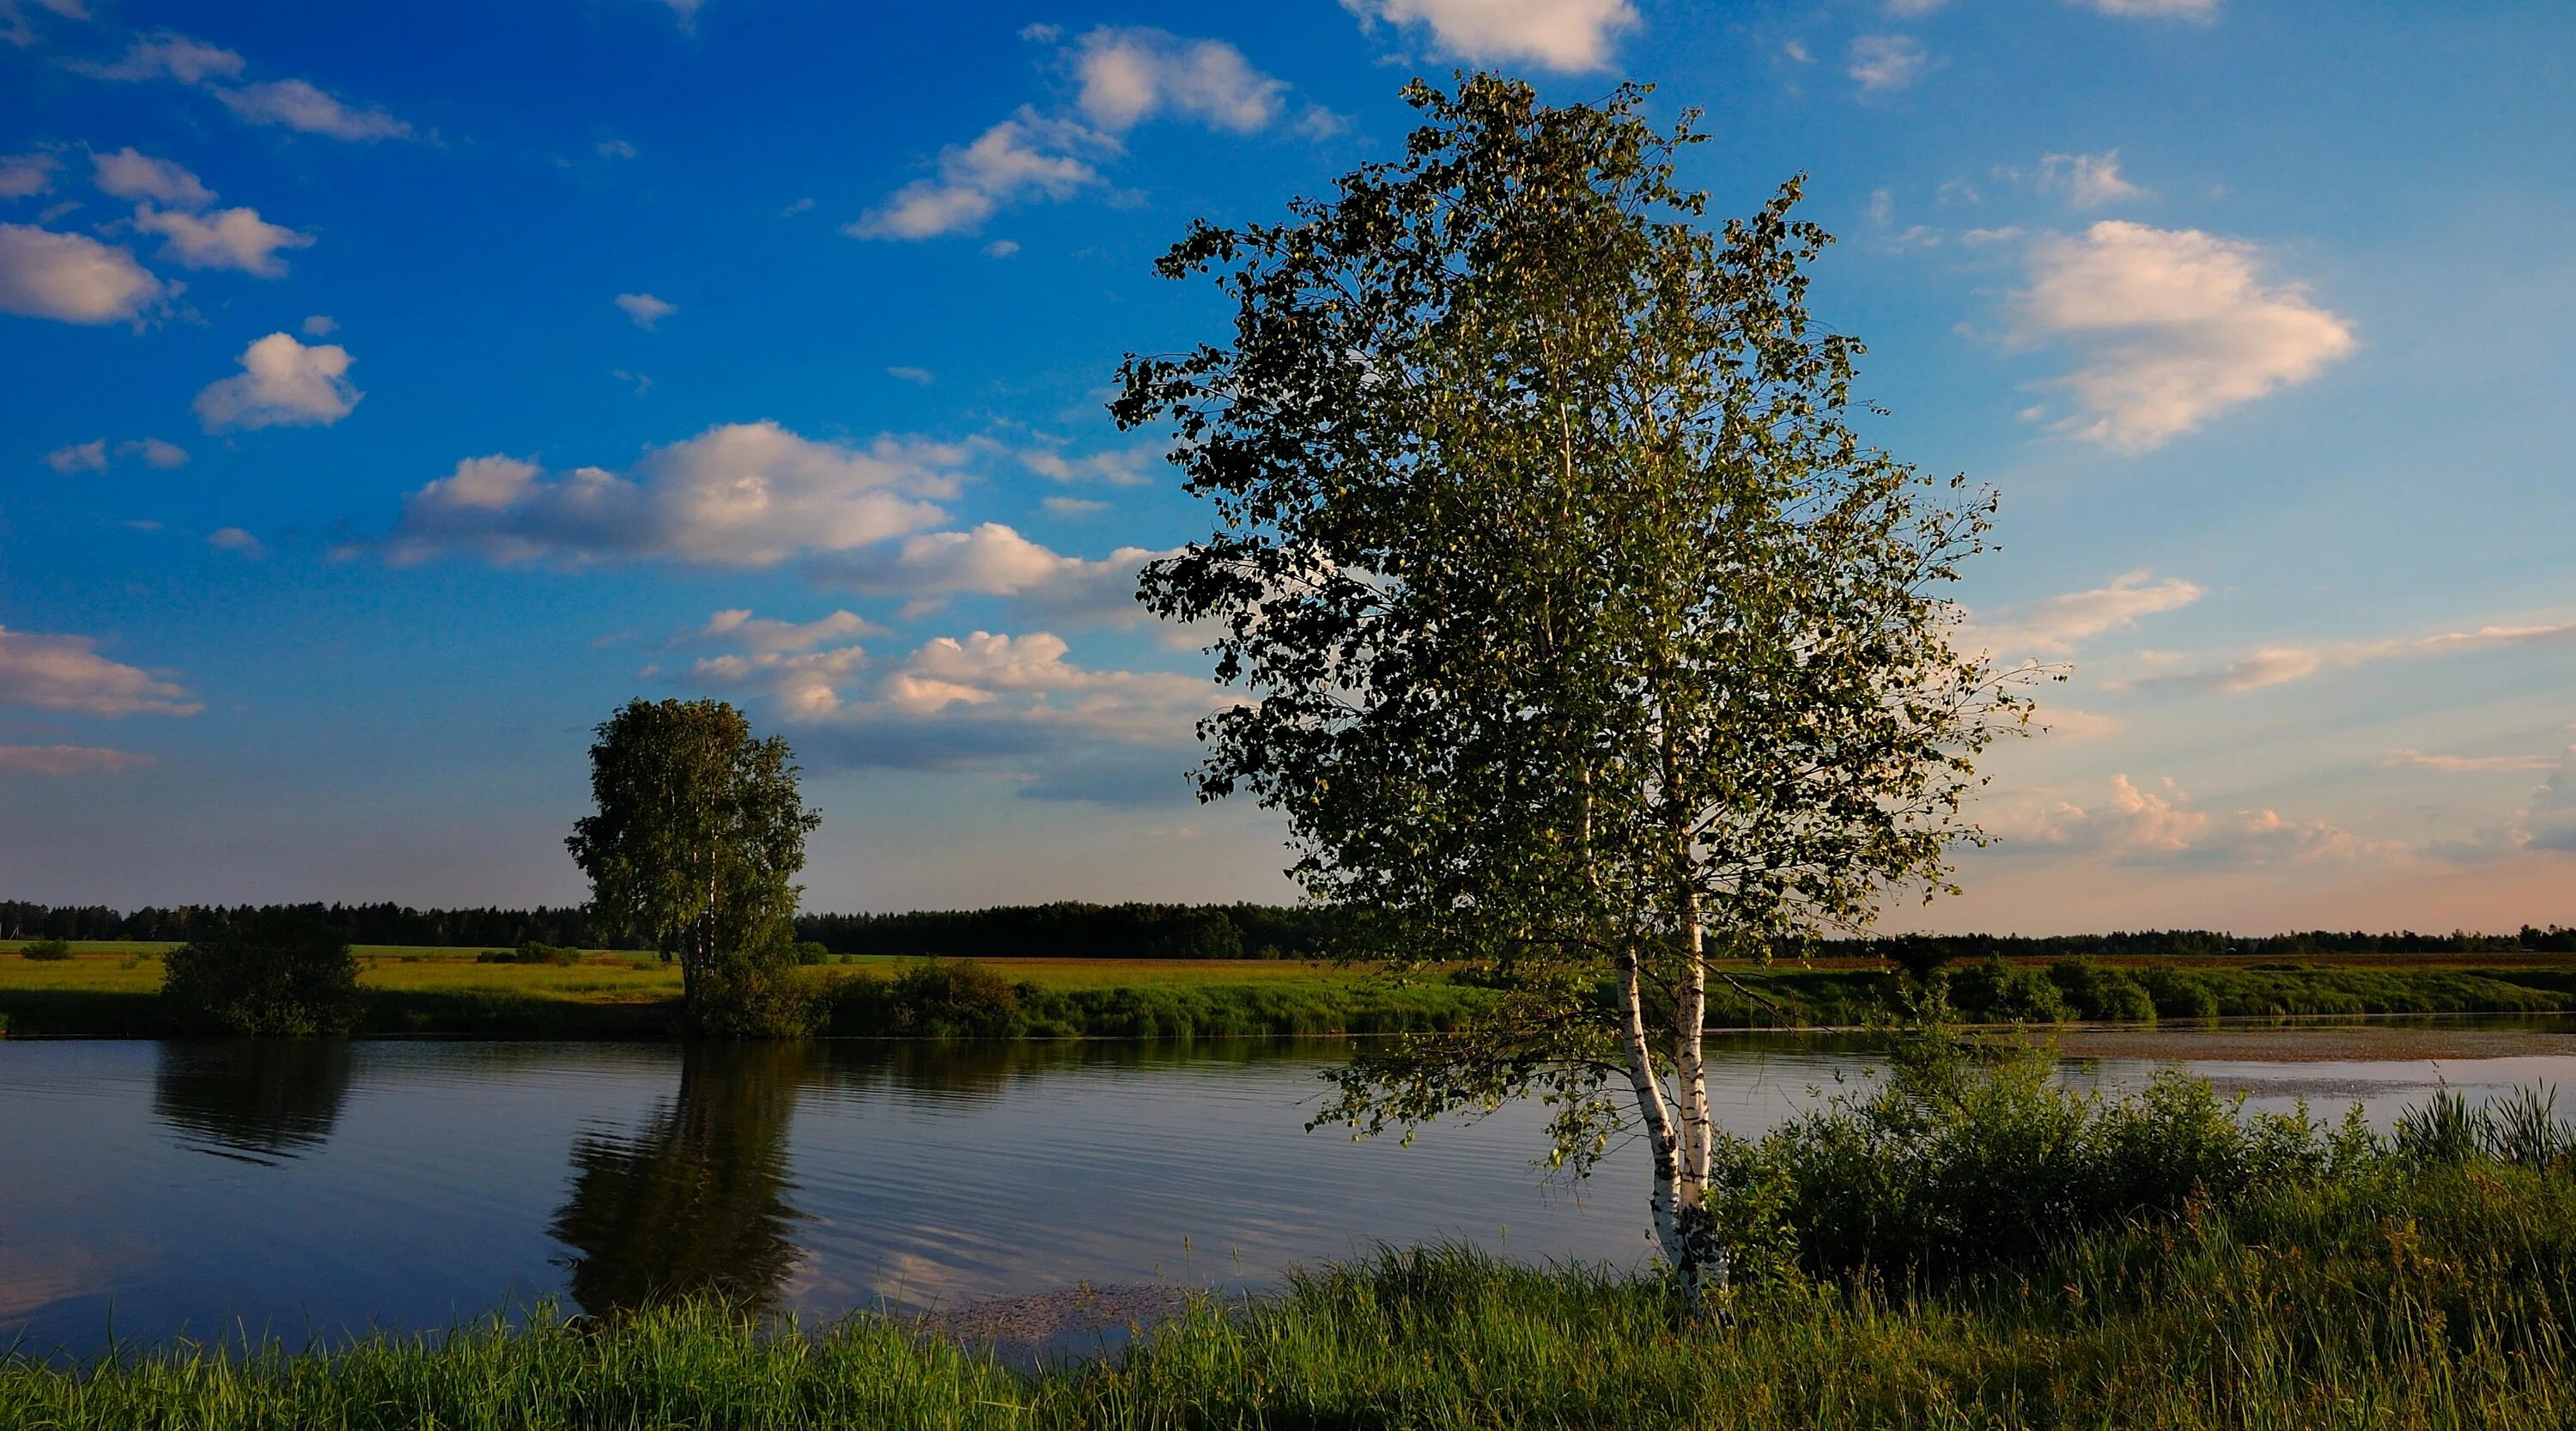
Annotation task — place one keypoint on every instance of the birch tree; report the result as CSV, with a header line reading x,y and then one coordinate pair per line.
x,y
1589,644
693,850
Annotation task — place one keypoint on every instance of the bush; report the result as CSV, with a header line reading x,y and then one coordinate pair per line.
x,y
810,952
759,993
1957,1165
531,952
46,949
2099,991
938,998
1998,992
268,973
2179,995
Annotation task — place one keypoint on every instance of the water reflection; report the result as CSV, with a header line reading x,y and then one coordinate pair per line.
x,y
696,1202
261,1101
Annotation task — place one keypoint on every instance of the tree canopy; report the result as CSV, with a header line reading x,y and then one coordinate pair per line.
x,y
695,845
1585,630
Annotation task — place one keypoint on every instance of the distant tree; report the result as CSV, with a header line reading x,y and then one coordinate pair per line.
x,y
267,973
46,949
693,851
1589,642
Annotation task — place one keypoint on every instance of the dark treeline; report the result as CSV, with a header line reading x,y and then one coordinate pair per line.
x,y
1183,931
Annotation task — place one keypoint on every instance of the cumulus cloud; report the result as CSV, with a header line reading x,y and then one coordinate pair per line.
x,y
283,383
1027,155
129,174
72,278
2056,625
66,673
226,238
1885,63
2157,824
1126,76
240,543
2279,665
292,103
744,495
1569,35
1118,469
69,760
645,309
320,325
766,636
1129,75
2089,180
78,457
154,452
994,560
2173,326
23,176
1073,506
300,106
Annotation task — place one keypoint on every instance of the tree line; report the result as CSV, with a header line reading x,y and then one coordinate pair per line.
x,y
1076,929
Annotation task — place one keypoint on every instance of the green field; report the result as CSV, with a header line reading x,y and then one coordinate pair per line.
x,y
109,989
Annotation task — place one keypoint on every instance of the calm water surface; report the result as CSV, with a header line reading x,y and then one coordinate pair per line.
x,y
150,1190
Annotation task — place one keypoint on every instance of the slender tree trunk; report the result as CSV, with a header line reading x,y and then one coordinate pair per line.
x,y
1663,1140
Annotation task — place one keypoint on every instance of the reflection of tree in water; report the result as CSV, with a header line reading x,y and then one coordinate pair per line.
x,y
696,1202
258,1101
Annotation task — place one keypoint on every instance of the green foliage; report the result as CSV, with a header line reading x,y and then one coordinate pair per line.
x,y
755,993
694,849
268,975
2102,992
1997,992
1960,1163
45,949
952,999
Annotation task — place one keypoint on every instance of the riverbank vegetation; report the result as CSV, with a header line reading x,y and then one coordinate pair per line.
x,y
110,990
1961,1245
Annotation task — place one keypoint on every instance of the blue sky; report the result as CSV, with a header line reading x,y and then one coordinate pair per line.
x,y
392,390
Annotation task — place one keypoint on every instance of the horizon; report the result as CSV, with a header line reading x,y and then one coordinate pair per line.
x,y
394,395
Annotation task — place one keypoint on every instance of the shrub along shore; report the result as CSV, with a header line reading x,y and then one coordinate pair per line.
x,y
1963,1246
595,995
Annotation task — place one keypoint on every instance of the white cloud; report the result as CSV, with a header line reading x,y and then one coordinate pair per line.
x,y
2203,10
300,106
1118,469
1023,156
1128,75
66,673
1000,248
2068,723
743,495
93,456
23,176
2157,825
1913,9
1566,35
1073,506
2470,764
2279,665
128,174
294,103
238,542
71,278
615,149
78,457
320,325
995,560
645,309
918,377
1978,238
69,760
154,452
283,383
2056,625
14,28
2089,180
2174,326
764,635
1885,63
227,238
167,54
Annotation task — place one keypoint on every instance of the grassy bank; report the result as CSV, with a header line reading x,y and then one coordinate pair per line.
x,y
2302,1277
110,991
